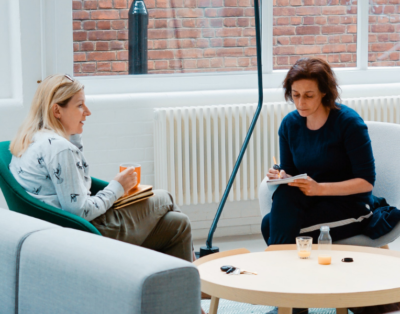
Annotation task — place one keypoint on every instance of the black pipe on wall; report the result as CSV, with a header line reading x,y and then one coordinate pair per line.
x,y
138,22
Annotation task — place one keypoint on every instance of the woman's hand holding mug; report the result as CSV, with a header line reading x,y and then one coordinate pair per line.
x,y
127,178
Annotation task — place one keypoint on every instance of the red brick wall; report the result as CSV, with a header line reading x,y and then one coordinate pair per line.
x,y
384,33
323,28
218,35
328,29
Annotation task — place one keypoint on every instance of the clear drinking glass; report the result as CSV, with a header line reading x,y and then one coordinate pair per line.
x,y
304,246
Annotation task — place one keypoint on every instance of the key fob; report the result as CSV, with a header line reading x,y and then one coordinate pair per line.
x,y
225,268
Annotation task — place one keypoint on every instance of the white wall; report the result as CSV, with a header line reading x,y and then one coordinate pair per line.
x,y
121,129
121,126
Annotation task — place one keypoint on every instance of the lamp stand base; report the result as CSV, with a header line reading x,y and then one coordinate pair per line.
x,y
204,250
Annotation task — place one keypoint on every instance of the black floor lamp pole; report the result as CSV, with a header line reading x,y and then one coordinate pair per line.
x,y
209,249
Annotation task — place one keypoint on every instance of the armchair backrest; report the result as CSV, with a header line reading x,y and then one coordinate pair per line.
x,y
385,139
19,200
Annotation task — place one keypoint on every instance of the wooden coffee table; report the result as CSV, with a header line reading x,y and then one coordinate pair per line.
x,y
288,282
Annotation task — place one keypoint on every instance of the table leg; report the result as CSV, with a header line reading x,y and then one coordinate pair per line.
x,y
284,310
341,311
214,305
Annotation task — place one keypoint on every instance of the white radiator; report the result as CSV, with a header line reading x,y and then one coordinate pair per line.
x,y
196,147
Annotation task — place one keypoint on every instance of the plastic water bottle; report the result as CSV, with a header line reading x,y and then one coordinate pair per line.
x,y
324,246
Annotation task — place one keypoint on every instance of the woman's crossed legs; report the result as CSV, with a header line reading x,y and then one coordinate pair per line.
x,y
293,214
155,223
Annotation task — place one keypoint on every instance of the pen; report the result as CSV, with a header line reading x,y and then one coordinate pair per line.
x,y
276,167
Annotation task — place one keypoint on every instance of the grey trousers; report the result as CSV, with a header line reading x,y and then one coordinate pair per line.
x,y
155,223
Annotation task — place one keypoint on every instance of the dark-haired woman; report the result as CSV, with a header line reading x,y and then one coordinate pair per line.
x,y
330,143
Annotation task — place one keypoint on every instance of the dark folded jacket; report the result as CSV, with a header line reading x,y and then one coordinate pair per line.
x,y
383,220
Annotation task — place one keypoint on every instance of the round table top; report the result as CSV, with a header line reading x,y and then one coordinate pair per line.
x,y
286,280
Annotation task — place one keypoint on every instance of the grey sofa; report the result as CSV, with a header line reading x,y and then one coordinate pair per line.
x,y
45,268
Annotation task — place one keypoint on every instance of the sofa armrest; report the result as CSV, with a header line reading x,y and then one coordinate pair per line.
x,y
14,228
69,271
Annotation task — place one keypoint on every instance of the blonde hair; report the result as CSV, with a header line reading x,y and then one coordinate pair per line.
x,y
55,89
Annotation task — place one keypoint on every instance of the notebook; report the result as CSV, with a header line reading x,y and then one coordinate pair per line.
x,y
142,192
287,180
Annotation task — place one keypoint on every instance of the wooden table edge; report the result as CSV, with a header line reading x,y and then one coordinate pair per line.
x,y
299,300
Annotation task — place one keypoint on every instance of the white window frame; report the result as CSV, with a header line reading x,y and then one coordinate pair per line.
x,y
14,72
41,43
186,82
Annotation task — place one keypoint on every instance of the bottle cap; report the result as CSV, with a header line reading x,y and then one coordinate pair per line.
x,y
325,228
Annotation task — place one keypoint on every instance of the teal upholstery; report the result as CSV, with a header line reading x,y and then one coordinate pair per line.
x,y
20,201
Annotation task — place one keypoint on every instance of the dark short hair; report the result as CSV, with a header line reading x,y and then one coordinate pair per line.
x,y
317,70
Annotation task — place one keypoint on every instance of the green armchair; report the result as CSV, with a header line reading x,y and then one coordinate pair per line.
x,y
20,201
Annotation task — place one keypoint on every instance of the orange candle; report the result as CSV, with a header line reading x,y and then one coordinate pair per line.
x,y
304,254
324,260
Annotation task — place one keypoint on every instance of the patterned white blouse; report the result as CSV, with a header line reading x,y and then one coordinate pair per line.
x,y
54,170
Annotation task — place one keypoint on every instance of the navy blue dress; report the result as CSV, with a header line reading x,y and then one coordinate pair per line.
x,y
340,150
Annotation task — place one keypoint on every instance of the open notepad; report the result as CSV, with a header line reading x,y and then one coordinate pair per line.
x,y
287,180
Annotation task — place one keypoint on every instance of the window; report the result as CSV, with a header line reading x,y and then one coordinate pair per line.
x,y
384,33
326,29
184,36
341,31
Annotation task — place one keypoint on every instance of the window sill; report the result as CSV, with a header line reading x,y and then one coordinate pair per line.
x,y
203,82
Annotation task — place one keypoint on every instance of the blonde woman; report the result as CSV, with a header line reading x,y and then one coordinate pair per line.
x,y
49,164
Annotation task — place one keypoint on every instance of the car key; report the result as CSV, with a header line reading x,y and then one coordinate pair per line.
x,y
239,271
230,270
